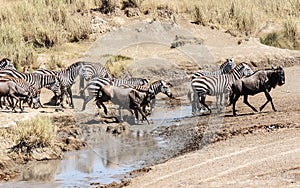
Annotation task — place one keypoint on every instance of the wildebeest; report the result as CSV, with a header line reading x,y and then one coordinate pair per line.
x,y
11,89
260,81
126,98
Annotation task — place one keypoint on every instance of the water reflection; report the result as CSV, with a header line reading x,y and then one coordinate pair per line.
x,y
42,171
106,159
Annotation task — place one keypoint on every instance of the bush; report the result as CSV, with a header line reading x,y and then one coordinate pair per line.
x,y
35,133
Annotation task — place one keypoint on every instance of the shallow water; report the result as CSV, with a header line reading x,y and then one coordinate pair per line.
x,y
106,159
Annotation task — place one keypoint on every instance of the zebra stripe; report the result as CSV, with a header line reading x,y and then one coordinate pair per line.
x,y
217,85
5,63
93,87
37,80
66,79
224,68
130,81
91,70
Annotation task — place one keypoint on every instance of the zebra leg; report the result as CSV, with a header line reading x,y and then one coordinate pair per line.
x,y
86,100
69,93
202,101
246,102
269,99
194,102
81,86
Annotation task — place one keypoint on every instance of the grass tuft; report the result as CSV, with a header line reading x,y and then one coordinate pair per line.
x,y
35,133
117,64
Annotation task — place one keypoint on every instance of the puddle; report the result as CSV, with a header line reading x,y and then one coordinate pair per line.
x,y
107,158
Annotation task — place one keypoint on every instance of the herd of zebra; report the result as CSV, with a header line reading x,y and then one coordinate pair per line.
x,y
223,83
60,83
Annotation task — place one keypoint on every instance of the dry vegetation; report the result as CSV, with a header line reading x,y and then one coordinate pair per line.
x,y
36,132
28,27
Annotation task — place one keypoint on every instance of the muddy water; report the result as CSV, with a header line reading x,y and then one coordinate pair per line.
x,y
107,158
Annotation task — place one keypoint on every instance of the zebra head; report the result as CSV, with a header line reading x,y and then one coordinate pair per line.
x,y
6,63
166,88
55,85
34,99
244,70
227,66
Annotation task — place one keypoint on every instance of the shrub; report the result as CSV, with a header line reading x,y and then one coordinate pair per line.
x,y
117,64
34,133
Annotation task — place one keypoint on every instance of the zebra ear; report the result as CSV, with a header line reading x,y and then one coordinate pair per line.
x,y
169,84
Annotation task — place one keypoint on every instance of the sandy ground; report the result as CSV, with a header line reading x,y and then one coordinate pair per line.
x,y
256,157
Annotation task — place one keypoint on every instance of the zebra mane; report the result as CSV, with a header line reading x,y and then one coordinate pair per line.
x,y
74,65
238,67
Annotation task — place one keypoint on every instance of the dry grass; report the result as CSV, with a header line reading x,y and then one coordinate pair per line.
x,y
33,133
117,64
36,132
26,26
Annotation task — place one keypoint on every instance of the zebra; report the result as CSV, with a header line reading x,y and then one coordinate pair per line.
x,y
94,85
66,78
224,68
90,70
217,85
130,81
5,63
34,95
36,80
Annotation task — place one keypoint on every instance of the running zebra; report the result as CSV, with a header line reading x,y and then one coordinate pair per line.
x,y
33,99
153,89
91,70
66,79
130,81
94,85
224,68
35,80
5,63
217,85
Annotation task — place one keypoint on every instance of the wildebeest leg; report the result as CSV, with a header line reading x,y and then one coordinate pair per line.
x,y
269,99
98,103
136,113
233,100
142,113
246,102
